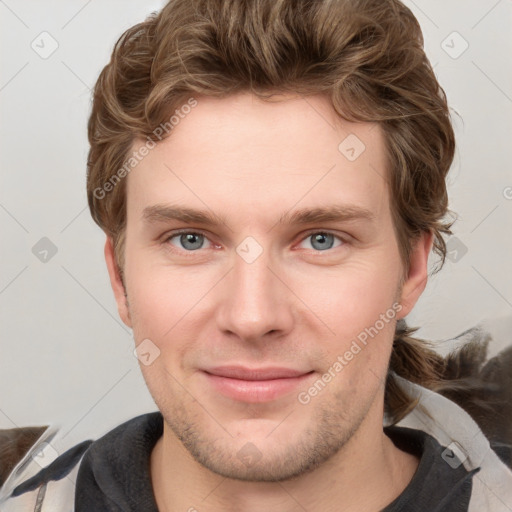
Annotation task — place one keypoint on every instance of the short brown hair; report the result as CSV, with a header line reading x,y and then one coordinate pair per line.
x,y
365,55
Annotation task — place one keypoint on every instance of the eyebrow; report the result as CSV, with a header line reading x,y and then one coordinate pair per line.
x,y
330,213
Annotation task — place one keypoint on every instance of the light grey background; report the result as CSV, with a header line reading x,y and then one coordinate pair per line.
x,y
65,356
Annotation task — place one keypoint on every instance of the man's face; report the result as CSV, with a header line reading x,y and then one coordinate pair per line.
x,y
249,314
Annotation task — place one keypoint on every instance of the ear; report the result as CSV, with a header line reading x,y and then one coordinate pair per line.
x,y
117,283
416,279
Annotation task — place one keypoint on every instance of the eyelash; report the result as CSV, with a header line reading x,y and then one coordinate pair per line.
x,y
174,234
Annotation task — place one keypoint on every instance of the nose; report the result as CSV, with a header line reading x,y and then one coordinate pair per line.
x,y
256,303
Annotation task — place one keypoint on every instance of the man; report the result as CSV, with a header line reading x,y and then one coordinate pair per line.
x,y
271,180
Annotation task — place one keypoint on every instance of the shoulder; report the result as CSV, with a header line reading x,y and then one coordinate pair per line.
x,y
55,484
478,377
31,483
439,483
463,443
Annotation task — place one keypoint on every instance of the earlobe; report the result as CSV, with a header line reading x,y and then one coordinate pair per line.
x,y
416,278
117,283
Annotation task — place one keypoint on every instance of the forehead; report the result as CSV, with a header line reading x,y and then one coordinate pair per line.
x,y
241,153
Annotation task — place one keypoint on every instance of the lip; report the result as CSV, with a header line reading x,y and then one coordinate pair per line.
x,y
255,385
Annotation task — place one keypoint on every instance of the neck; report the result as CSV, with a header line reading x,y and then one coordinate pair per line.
x,y
368,473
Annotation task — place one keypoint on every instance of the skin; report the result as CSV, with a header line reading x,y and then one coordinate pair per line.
x,y
297,306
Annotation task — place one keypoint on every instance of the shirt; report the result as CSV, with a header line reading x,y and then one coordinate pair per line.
x,y
114,474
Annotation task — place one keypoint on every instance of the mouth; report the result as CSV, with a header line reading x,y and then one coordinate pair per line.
x,y
255,385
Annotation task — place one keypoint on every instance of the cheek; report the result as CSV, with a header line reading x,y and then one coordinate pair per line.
x,y
158,305
351,298
167,303
358,305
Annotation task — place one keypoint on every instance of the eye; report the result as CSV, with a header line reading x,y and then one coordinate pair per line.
x,y
322,241
187,240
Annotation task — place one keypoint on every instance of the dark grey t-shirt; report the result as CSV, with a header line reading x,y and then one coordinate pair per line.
x,y
437,485
114,472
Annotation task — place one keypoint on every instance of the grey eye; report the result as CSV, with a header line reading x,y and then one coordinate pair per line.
x,y
322,241
189,241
